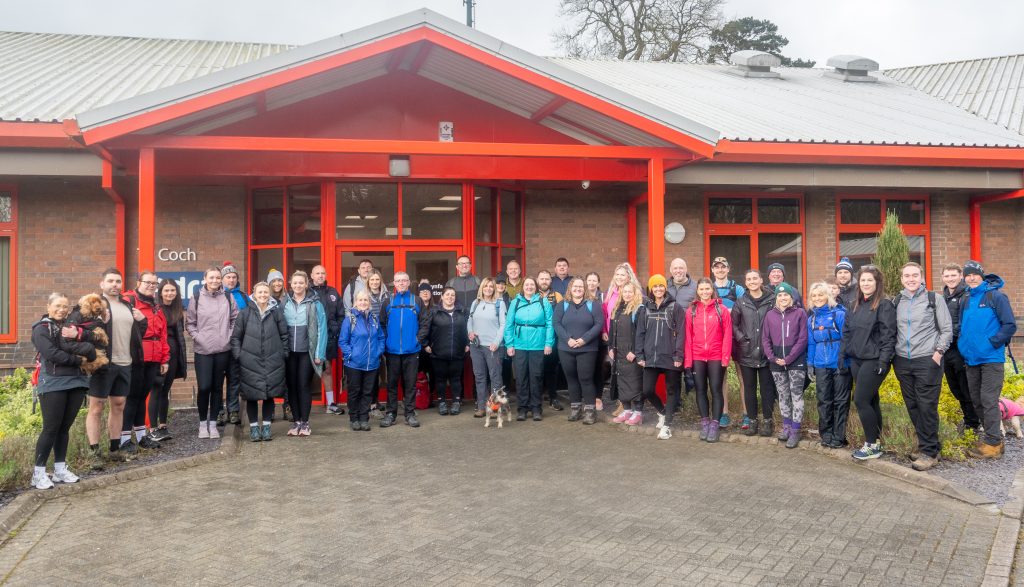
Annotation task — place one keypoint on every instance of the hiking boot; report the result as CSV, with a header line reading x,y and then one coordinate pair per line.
x,y
442,408
983,450
356,426
787,427
915,455
575,411
705,427
254,434
288,413
388,420
665,433
713,431
479,414
234,419
265,433
556,405
521,416
149,442
456,409
364,425
751,429
619,408
95,459
924,462
222,418
794,437
538,416
589,415
767,427
410,420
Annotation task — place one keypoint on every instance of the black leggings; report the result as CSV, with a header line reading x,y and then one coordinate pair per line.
x,y
299,374
709,377
143,376
672,378
160,398
447,372
579,375
59,409
753,378
210,373
866,380
252,410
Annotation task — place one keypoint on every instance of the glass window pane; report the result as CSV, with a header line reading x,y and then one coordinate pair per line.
x,y
268,216
786,249
730,211
384,261
366,211
304,213
508,254
485,218
511,232
908,211
6,207
263,260
860,212
859,247
432,211
483,265
916,244
302,259
436,266
778,211
734,248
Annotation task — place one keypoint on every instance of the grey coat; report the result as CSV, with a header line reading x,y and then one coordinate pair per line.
x,y
919,331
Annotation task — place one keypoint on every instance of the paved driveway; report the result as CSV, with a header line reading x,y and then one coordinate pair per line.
x,y
547,503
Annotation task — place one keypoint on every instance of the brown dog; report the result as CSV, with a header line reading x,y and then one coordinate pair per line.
x,y
91,308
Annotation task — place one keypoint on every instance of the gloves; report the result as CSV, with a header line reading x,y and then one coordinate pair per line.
x,y
880,371
843,370
688,380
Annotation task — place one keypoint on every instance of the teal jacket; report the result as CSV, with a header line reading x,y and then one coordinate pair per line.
x,y
528,324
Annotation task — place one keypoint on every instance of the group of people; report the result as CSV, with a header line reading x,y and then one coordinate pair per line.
x,y
530,334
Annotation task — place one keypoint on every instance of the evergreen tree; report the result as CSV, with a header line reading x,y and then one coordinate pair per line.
x,y
893,253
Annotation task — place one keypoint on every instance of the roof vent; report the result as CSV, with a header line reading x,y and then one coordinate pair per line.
x,y
752,63
852,68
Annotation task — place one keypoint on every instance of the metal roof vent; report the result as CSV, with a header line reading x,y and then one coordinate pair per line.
x,y
852,68
750,63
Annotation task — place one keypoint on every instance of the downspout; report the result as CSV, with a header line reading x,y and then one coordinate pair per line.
x,y
119,228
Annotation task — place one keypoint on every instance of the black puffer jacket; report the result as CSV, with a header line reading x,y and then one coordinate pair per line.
x,y
260,345
335,310
176,340
138,329
58,356
747,320
869,334
953,300
660,334
446,333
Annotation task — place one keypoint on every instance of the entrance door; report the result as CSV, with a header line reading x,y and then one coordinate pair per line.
x,y
437,265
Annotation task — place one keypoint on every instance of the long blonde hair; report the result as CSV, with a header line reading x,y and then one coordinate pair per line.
x,y
638,299
480,291
630,274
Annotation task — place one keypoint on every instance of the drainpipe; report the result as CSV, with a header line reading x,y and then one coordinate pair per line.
x,y
119,229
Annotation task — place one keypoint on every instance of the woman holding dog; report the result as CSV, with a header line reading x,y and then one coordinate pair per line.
x,y
486,325
170,304
627,374
446,339
62,386
529,336
361,341
259,342
578,322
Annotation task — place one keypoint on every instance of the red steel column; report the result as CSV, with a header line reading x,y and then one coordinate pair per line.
x,y
656,216
147,209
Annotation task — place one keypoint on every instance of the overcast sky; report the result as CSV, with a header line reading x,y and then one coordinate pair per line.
x,y
893,32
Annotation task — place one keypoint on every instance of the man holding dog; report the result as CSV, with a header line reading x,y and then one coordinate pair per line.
x,y
923,334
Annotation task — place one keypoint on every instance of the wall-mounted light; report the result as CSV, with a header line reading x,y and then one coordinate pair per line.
x,y
398,166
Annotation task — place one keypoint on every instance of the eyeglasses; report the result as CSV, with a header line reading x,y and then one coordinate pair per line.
x,y
153,283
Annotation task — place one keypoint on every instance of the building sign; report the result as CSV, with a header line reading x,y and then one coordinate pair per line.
x,y
188,282
446,132
165,254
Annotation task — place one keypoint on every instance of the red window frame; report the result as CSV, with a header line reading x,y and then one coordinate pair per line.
x,y
754,228
10,230
497,244
923,230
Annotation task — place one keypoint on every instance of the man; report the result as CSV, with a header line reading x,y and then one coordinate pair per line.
x,y
777,275
682,289
124,325
229,278
727,288
357,284
986,326
335,310
560,282
954,291
844,280
554,378
465,283
156,354
514,281
403,317
923,333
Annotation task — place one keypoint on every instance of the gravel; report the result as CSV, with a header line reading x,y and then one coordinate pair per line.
x,y
991,478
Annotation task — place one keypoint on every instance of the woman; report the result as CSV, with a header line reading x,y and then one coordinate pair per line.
x,y
307,348
486,325
623,274
578,322
361,342
529,336
784,338
865,353
446,339
174,314
708,348
259,342
426,295
61,389
627,373
747,318
659,350
824,333
209,320
276,280
378,293
595,294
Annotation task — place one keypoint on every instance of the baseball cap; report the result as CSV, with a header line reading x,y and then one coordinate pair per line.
x,y
720,260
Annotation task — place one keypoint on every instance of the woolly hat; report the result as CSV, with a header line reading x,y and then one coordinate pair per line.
x,y
424,286
786,289
228,269
274,274
656,279
973,267
844,263
778,266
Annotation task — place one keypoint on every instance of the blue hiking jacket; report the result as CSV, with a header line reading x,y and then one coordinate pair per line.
x,y
528,325
985,331
401,319
824,333
361,340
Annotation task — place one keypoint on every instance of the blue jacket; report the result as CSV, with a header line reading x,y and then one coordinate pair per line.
x,y
824,333
241,300
361,340
985,331
401,317
528,325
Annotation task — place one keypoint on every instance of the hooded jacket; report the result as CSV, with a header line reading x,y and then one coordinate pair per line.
x,y
209,320
176,343
334,309
446,333
572,320
528,324
747,321
846,296
683,294
869,334
955,297
784,336
155,348
660,334
259,342
466,287
314,330
58,357
402,317
920,331
708,332
824,335
361,340
986,329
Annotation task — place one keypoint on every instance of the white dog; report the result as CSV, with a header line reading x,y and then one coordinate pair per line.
x,y
1011,411
497,406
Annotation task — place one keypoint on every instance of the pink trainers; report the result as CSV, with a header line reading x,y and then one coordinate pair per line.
x,y
625,415
635,418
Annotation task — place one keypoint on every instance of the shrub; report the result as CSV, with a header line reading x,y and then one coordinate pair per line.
x,y
893,253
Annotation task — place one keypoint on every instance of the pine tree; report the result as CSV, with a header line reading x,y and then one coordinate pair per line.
x,y
893,253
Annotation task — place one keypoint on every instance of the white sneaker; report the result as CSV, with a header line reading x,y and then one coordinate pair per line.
x,y
204,429
214,433
661,423
65,476
665,433
41,481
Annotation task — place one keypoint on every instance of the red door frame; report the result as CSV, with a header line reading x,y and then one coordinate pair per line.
x,y
908,229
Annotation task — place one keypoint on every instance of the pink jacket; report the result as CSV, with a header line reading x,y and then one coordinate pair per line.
x,y
1009,409
708,333
611,299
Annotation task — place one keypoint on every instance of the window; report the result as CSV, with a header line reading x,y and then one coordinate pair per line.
x,y
498,229
284,230
432,211
861,217
754,231
8,263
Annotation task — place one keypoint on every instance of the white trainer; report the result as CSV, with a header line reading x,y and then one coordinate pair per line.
x,y
41,481
665,433
214,433
661,422
204,429
65,476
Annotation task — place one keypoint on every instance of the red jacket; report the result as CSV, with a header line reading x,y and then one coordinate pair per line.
x,y
154,342
708,333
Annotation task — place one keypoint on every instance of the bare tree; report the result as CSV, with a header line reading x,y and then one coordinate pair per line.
x,y
639,30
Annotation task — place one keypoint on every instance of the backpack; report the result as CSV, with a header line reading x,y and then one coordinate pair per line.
x,y
231,302
385,309
352,322
931,306
497,308
839,335
718,310
731,295
590,305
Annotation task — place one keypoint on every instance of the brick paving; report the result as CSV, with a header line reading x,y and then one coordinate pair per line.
x,y
548,503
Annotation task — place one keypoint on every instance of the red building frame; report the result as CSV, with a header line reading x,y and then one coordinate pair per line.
x,y
923,230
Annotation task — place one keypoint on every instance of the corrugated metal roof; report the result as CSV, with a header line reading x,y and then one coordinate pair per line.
x,y
802,106
47,77
991,88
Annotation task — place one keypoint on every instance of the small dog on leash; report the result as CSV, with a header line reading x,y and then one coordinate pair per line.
x,y
497,406
1011,411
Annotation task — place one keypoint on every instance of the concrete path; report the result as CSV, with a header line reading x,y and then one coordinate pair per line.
x,y
549,503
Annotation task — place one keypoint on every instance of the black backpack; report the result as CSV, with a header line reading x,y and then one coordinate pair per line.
x,y
931,306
